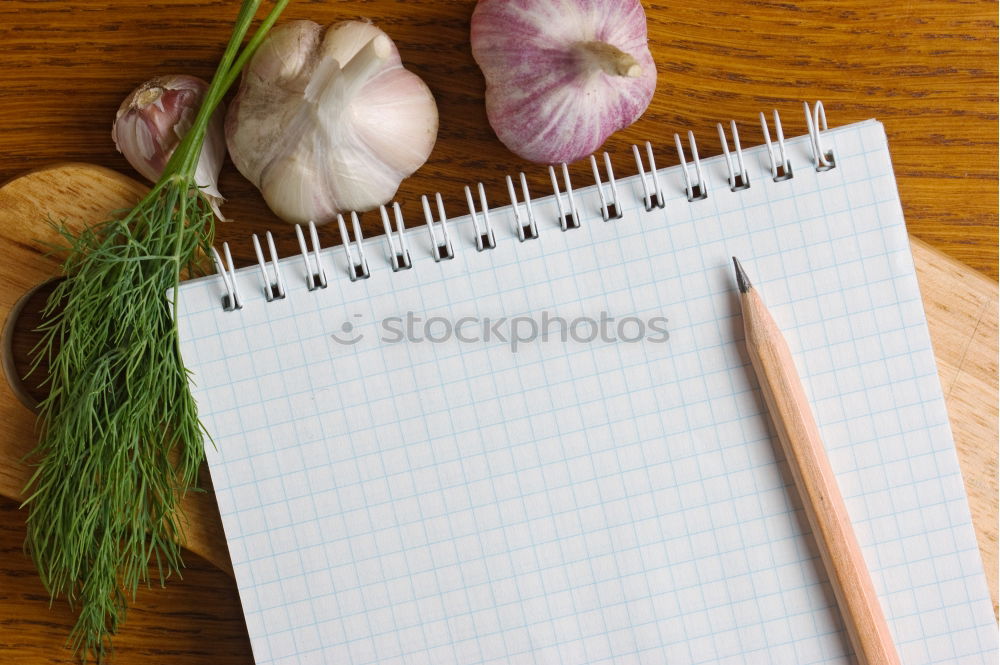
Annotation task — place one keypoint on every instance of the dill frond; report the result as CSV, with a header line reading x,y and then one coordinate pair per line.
x,y
119,439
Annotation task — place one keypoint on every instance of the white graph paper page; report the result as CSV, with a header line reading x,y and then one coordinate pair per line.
x,y
569,503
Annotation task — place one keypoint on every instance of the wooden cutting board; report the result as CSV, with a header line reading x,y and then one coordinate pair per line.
x,y
961,306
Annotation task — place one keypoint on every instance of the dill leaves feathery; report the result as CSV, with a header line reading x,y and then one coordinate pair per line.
x,y
120,440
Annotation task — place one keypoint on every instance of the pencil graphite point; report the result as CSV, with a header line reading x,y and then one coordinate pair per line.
x,y
742,281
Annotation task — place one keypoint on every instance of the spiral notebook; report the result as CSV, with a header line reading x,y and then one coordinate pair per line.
x,y
532,435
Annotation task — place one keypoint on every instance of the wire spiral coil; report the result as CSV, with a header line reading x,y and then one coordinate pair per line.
x,y
526,228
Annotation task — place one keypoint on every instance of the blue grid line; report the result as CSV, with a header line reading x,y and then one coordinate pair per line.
x,y
818,588
803,560
585,350
858,467
692,428
676,525
747,495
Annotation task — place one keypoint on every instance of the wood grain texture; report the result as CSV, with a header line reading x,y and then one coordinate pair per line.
x,y
961,308
928,69
77,195
960,303
803,448
194,621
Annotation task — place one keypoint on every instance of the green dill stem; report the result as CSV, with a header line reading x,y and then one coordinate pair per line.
x,y
224,78
251,47
120,440
185,157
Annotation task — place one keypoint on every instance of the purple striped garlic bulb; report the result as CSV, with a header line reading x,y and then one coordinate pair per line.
x,y
562,75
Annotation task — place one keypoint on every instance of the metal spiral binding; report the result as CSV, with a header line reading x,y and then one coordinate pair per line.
x,y
741,180
783,170
399,257
273,289
315,275
571,219
526,228
231,301
655,198
609,209
485,239
357,268
822,159
442,249
696,191
529,230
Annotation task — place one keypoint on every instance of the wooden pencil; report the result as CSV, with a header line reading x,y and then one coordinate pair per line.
x,y
824,506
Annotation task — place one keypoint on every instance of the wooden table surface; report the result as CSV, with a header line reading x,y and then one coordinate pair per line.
x,y
926,68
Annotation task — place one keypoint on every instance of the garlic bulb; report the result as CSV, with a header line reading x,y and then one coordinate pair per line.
x,y
327,120
562,75
153,120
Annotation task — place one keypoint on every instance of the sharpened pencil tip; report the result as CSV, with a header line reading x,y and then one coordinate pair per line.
x,y
742,281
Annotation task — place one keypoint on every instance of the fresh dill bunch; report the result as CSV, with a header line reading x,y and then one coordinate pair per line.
x,y
119,440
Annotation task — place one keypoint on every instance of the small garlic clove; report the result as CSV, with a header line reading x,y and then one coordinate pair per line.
x,y
328,120
153,119
562,75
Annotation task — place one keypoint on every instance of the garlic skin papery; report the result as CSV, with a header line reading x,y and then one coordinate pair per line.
x,y
328,120
153,120
562,75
